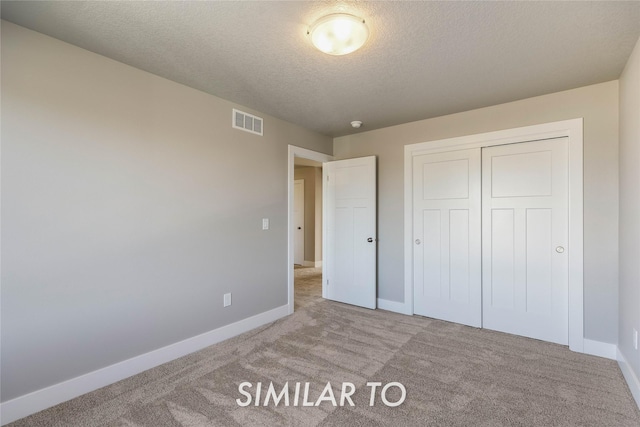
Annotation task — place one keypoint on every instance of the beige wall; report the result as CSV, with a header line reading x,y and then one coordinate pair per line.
x,y
312,211
597,104
630,209
129,207
318,216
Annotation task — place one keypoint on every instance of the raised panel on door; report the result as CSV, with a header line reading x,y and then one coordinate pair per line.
x,y
350,227
525,219
447,231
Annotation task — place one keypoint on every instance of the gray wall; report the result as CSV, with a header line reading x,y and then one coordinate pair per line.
x,y
129,206
312,211
630,209
597,104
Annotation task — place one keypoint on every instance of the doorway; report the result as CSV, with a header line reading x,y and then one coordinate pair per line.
x,y
487,297
309,166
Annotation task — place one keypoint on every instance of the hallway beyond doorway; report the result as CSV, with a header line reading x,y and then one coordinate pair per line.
x,y
308,286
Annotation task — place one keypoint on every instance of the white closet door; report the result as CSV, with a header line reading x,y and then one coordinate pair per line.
x,y
524,239
447,232
350,221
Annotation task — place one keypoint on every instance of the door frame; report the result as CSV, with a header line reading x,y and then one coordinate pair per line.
x,y
573,130
304,153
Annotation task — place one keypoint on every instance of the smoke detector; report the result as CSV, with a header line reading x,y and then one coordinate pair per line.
x,y
356,124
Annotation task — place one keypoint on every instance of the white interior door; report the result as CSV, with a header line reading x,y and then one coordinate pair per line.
x,y
298,221
350,231
447,231
524,238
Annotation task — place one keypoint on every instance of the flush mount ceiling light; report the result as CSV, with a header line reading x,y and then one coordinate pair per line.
x,y
339,33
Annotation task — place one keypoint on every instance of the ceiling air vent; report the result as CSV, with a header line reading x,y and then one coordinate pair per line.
x,y
247,122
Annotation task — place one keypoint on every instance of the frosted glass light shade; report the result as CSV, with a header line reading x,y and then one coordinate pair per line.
x,y
339,33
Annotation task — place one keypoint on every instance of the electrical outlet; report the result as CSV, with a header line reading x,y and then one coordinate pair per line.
x,y
227,300
635,338
265,223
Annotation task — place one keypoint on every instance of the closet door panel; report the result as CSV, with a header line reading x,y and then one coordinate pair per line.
x,y
524,239
447,232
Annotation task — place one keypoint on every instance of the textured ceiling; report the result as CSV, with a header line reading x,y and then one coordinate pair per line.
x,y
423,59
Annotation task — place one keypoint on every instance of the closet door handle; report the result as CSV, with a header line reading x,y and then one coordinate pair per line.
x,y
418,241
560,249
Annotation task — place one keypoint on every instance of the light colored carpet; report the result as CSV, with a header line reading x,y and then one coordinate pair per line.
x,y
454,376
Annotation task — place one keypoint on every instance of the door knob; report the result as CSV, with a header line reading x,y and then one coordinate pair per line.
x,y
370,239
418,241
299,228
559,249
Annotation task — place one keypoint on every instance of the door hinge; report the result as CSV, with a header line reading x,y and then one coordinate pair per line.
x,y
327,282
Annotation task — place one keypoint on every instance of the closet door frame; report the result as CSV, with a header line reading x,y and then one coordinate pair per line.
x,y
572,129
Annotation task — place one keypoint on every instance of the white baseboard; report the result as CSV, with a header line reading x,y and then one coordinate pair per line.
x,y
314,264
598,348
36,401
397,307
630,377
